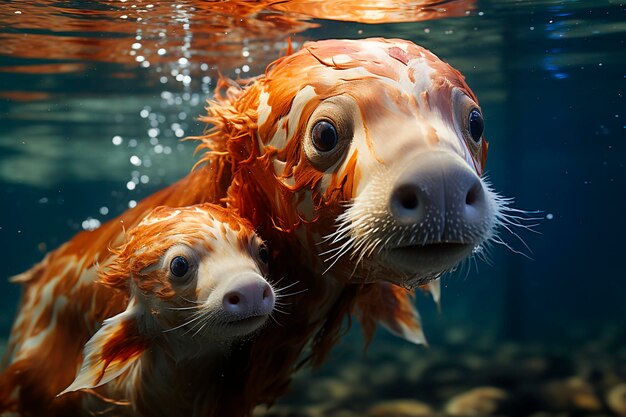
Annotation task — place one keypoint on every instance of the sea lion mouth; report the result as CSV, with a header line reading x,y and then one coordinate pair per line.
x,y
440,249
231,328
430,259
247,324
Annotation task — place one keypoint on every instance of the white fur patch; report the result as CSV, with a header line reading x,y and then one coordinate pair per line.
x,y
264,110
280,139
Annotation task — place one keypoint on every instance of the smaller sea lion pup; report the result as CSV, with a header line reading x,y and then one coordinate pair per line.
x,y
195,283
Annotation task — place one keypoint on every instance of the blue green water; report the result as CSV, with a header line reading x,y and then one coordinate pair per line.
x,y
79,146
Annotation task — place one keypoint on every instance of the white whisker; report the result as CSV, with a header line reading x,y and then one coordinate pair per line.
x,y
281,311
191,301
293,293
279,290
274,319
185,308
184,324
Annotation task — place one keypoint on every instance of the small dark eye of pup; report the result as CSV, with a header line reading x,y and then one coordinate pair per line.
x,y
264,254
179,266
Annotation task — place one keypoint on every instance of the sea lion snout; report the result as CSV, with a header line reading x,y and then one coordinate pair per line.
x,y
441,193
248,295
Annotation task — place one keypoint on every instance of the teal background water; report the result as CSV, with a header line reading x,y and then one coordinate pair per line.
x,y
88,135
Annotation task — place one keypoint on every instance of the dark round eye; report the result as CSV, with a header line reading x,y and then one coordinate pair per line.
x,y
476,125
179,266
264,254
324,136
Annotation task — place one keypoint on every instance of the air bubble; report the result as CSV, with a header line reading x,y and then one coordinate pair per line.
x,y
135,160
91,224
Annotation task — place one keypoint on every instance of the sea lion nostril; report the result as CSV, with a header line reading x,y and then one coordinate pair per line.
x,y
473,195
407,198
233,299
267,292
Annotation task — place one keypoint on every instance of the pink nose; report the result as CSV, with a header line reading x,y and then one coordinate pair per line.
x,y
248,295
441,194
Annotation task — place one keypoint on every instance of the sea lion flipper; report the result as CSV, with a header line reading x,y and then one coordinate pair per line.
x,y
401,317
393,307
434,289
111,351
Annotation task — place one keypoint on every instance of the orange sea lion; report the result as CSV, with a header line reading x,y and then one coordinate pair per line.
x,y
358,161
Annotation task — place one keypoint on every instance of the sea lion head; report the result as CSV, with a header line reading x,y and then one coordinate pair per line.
x,y
196,271
371,150
195,280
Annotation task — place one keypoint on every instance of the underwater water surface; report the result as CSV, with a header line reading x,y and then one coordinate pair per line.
x,y
95,98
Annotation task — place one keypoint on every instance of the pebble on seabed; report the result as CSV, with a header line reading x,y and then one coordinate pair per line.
x,y
574,393
329,390
616,399
476,402
285,411
400,408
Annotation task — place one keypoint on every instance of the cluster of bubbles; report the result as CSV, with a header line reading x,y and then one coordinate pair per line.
x,y
169,121
165,52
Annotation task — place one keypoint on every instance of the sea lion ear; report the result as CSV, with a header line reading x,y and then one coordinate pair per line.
x,y
111,351
392,306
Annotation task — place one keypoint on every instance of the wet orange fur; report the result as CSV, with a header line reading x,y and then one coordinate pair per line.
x,y
139,342
234,172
